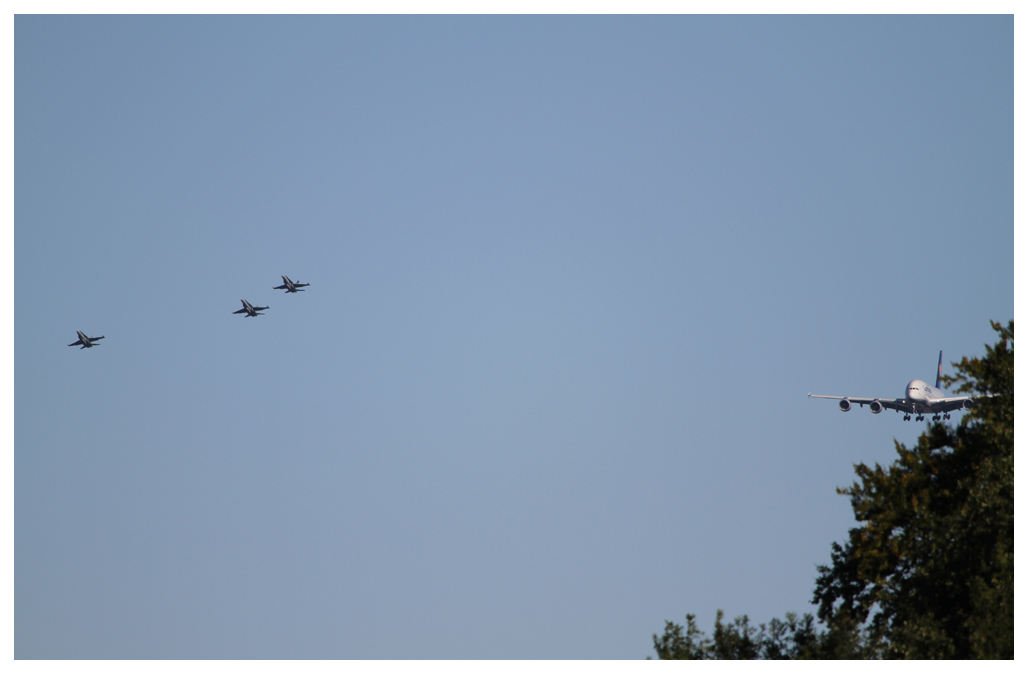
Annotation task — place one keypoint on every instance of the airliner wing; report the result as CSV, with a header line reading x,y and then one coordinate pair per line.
x,y
900,404
859,401
956,402
896,404
949,404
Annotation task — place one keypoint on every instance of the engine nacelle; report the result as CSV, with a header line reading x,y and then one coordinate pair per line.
x,y
845,405
876,407
967,404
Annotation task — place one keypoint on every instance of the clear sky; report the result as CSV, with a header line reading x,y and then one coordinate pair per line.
x,y
572,279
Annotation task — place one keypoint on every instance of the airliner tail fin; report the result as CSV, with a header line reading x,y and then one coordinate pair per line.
x,y
938,374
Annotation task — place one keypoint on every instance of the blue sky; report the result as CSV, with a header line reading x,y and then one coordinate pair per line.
x,y
572,279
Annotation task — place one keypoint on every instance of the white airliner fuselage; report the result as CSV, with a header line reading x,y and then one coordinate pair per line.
x,y
918,390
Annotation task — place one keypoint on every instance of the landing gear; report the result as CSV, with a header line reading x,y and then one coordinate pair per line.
x,y
945,416
906,417
935,418
919,417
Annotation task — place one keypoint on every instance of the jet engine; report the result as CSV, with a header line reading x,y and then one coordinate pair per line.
x,y
967,404
876,407
845,405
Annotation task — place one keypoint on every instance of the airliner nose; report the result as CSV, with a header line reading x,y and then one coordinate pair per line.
x,y
915,389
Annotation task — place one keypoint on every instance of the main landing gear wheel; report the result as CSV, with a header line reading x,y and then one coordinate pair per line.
x,y
906,417
935,418
945,416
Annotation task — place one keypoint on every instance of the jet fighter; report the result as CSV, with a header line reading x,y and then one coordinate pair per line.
x,y
250,310
291,287
86,342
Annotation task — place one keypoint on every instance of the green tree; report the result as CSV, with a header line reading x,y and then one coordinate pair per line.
x,y
673,645
929,573
790,639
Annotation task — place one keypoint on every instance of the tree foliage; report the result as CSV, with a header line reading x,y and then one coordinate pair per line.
x,y
929,572
790,639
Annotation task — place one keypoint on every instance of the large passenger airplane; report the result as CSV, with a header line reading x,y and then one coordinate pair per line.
x,y
249,309
291,287
86,342
921,399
